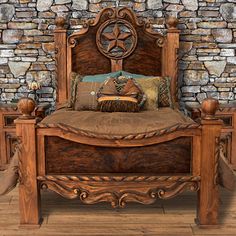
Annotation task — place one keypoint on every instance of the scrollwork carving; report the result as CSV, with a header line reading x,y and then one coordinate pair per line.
x,y
120,195
175,189
160,42
72,42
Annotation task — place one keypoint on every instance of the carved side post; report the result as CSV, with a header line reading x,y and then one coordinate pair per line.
x,y
29,195
169,57
208,196
60,38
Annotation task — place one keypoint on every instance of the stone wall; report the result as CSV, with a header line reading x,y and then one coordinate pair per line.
x,y
207,55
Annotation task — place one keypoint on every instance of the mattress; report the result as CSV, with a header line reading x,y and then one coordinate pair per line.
x,y
118,123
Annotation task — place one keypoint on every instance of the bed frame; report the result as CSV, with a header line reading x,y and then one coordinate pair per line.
x,y
136,168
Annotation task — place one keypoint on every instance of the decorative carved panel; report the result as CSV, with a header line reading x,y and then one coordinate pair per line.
x,y
119,192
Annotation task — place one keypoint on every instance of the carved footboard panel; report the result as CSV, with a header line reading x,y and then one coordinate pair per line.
x,y
64,156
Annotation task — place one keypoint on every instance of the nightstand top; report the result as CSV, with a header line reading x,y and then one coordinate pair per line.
x,y
8,106
223,107
13,106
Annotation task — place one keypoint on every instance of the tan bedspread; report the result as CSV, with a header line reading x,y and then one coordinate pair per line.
x,y
118,123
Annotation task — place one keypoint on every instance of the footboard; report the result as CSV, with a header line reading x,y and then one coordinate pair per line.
x,y
138,169
118,171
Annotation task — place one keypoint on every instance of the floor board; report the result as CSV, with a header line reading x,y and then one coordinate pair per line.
x,y
173,217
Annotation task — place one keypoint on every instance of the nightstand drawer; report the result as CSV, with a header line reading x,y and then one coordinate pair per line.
x,y
227,113
9,120
8,140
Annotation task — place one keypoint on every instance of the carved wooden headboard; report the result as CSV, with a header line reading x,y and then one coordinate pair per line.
x,y
115,40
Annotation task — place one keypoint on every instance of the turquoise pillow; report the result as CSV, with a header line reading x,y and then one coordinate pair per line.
x,y
134,76
100,77
103,77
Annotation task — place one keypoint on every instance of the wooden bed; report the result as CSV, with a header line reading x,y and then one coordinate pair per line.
x,y
161,164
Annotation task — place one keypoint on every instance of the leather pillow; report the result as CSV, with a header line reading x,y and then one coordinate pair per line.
x,y
86,95
120,95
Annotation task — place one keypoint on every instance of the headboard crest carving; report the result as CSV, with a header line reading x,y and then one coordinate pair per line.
x,y
117,14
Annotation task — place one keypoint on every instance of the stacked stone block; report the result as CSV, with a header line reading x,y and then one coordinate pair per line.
x,y
207,53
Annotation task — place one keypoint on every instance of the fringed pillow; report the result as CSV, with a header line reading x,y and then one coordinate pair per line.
x,y
150,87
74,80
165,99
120,95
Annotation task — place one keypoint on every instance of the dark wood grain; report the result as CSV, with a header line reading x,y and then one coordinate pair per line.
x,y
64,156
147,57
87,60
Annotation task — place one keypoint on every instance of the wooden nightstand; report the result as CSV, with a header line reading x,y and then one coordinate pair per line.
x,y
227,113
8,113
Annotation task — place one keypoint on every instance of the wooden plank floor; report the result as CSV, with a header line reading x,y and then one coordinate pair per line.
x,y
69,217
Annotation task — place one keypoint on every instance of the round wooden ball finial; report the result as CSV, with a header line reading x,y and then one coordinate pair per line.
x,y
172,22
26,106
209,108
60,22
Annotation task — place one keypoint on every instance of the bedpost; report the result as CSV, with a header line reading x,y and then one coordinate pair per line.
x,y
29,193
60,38
170,55
208,196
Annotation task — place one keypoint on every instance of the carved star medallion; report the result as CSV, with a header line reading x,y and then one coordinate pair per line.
x,y
116,38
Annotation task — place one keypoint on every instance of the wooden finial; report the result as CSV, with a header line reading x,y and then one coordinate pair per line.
x,y
172,22
26,106
209,108
60,22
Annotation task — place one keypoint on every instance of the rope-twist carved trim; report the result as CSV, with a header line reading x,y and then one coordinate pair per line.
x,y
118,178
138,136
216,164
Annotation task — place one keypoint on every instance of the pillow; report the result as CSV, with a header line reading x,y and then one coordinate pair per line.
x,y
150,87
100,77
120,95
134,76
165,99
74,79
86,95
